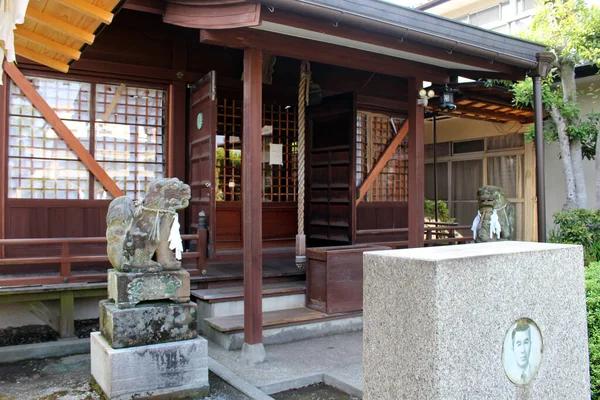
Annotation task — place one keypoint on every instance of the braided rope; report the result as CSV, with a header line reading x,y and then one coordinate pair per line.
x,y
303,96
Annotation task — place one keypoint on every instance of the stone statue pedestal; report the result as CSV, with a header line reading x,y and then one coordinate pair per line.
x,y
501,320
148,344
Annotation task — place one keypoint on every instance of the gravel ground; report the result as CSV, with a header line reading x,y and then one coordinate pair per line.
x,y
68,378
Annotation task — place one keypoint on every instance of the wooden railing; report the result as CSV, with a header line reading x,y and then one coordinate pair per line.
x,y
436,234
193,261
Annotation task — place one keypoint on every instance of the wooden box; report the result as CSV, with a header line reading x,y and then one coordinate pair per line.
x,y
334,277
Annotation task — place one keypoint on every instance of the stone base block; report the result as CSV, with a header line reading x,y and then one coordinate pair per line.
x,y
127,289
501,320
146,324
169,370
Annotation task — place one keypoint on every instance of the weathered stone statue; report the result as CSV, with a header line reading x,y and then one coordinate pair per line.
x,y
495,218
136,232
148,315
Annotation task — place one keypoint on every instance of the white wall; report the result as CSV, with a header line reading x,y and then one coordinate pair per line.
x,y
555,177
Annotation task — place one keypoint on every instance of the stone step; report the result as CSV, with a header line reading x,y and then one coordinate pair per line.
x,y
282,326
220,302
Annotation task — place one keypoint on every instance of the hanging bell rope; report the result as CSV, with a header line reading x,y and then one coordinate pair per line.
x,y
303,97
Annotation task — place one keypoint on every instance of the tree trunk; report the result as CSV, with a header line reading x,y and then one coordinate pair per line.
x,y
567,77
565,150
577,163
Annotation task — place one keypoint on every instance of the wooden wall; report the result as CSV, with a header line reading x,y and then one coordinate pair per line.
x,y
381,215
138,47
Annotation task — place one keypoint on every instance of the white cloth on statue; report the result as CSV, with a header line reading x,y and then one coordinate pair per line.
x,y
495,225
175,242
12,12
475,225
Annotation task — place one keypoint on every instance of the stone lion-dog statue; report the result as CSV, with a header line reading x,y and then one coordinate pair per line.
x,y
495,218
141,236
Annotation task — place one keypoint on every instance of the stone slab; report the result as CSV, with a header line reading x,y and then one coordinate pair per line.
x,y
436,321
127,289
146,324
168,370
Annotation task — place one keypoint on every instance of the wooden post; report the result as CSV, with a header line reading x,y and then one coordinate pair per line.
x,y
67,314
253,350
416,167
3,161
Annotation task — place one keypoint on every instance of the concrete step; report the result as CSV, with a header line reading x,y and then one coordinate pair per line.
x,y
226,301
282,326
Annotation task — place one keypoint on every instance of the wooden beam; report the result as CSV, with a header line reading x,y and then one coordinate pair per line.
x,y
326,53
47,43
362,35
492,114
380,164
252,196
416,167
45,314
58,25
89,9
42,59
114,102
61,130
148,6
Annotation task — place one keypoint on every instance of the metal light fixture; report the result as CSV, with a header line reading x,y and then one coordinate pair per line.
x,y
424,96
447,99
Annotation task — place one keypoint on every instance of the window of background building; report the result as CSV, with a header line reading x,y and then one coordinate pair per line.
x,y
497,161
123,126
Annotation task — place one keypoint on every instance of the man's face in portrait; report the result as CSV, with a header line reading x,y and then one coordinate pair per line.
x,y
522,347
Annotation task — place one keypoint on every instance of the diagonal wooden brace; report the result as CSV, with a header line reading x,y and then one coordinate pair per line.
x,y
385,157
62,130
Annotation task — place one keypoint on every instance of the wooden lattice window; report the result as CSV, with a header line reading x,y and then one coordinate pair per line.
x,y
129,136
127,142
279,181
374,133
229,151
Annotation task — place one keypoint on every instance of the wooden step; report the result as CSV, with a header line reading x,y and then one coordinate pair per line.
x,y
235,293
275,319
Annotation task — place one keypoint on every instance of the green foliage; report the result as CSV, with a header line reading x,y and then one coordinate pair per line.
x,y
442,207
592,291
570,29
578,226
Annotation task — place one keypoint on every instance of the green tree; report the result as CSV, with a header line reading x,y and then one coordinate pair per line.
x,y
570,30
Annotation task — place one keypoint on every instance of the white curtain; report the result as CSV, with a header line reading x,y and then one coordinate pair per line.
x,y
12,12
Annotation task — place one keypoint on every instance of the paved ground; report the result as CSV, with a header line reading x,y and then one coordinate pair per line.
x,y
335,360
67,378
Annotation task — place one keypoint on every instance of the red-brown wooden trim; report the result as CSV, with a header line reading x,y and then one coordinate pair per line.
x,y
365,36
148,6
252,195
416,167
213,15
61,129
380,164
304,49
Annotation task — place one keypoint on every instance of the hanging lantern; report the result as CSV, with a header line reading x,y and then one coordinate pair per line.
x,y
447,99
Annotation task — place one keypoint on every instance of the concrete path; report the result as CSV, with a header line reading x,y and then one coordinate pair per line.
x,y
335,360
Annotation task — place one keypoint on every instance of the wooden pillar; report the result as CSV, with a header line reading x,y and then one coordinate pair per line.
x,y
3,161
416,167
252,196
177,114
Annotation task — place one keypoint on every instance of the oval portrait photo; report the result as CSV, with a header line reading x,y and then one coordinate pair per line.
x,y
522,351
